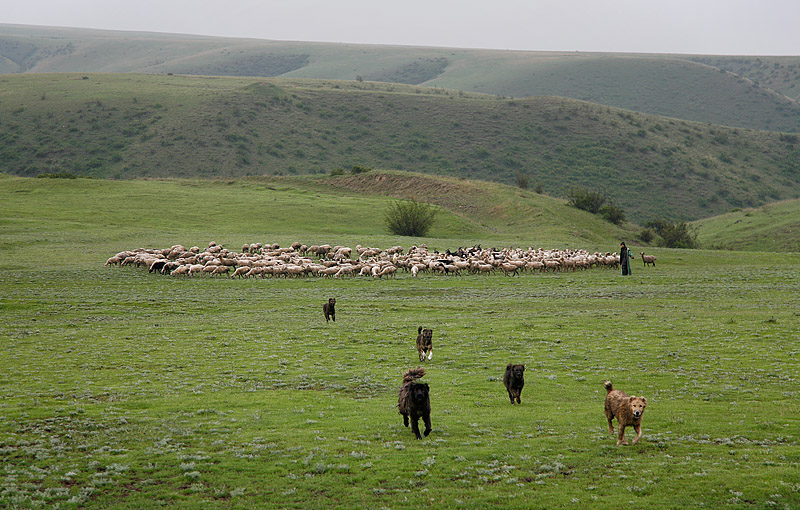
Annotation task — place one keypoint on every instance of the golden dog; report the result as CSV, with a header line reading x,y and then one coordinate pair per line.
x,y
627,409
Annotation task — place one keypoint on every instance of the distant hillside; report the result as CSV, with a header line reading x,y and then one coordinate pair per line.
x,y
750,92
128,125
773,227
312,209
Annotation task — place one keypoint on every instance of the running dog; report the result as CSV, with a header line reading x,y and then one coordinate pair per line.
x,y
329,309
414,401
514,379
627,409
425,343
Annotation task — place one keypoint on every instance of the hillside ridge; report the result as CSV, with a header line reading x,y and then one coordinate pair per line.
x,y
749,92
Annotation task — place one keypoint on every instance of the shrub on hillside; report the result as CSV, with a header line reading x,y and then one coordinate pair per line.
x,y
674,235
582,198
337,171
523,181
409,218
613,213
359,169
647,235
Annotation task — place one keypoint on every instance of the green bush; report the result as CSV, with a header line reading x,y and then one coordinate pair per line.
x,y
359,169
613,213
523,181
582,198
409,218
674,235
337,171
57,175
647,235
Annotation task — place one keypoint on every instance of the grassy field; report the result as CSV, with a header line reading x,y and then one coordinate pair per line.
x,y
750,92
127,126
123,389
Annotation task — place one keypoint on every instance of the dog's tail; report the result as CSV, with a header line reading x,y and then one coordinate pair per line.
x,y
413,373
609,387
419,331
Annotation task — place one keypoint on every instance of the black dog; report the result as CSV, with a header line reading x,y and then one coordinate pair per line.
x,y
329,310
514,379
414,401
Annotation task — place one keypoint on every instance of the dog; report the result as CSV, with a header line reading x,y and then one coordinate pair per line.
x,y
425,343
329,309
514,379
414,401
627,409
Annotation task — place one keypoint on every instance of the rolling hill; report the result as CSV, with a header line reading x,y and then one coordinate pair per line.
x,y
750,92
135,125
773,228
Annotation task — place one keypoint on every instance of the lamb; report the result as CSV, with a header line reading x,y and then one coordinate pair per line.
x,y
648,259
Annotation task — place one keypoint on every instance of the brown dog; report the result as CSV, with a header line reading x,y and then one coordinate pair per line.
x,y
414,401
628,411
514,379
329,309
425,343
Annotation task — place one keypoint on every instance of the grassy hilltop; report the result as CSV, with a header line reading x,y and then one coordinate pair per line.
x,y
126,126
123,389
748,92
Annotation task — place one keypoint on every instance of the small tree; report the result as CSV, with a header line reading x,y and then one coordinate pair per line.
x,y
409,218
539,189
582,198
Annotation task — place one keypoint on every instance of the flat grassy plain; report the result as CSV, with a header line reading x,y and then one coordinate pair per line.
x,y
123,389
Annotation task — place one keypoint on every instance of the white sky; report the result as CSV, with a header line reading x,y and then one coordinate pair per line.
x,y
737,27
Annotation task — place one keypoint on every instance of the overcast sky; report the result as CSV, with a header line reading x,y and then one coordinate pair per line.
x,y
738,27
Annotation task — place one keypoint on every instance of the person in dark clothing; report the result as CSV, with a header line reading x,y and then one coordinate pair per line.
x,y
625,259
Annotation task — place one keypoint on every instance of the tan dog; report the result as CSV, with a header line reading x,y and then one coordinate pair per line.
x,y
425,343
628,411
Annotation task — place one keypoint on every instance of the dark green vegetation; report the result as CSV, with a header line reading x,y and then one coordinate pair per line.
x,y
409,218
749,92
122,389
126,126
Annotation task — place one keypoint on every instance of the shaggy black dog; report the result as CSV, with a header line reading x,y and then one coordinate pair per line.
x,y
329,309
414,401
424,343
514,379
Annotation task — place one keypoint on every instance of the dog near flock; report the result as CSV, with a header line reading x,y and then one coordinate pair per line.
x,y
414,401
425,343
514,379
627,409
329,309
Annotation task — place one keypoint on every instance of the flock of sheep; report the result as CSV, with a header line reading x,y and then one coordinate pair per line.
x,y
300,260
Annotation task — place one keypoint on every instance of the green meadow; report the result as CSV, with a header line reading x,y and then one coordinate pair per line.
x,y
124,389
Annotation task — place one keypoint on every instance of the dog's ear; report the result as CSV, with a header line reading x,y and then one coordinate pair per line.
x,y
523,367
630,399
644,401
508,367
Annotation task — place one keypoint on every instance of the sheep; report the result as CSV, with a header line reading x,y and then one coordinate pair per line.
x,y
241,271
648,259
220,270
184,269
195,269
